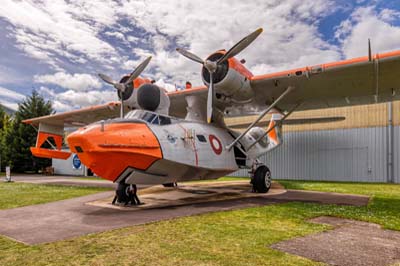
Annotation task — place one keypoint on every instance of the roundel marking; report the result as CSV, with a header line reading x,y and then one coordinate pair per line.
x,y
76,163
215,144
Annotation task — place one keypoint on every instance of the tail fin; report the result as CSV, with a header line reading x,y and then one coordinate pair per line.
x,y
275,135
267,142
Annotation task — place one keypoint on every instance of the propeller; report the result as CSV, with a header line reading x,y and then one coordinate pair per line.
x,y
120,87
212,66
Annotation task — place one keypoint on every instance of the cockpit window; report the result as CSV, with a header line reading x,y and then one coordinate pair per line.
x,y
156,120
150,117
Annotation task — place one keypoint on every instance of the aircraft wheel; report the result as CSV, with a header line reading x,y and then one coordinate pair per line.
x,y
170,184
123,193
261,179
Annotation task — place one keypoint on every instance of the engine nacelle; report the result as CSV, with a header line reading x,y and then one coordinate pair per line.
x,y
231,80
146,96
153,98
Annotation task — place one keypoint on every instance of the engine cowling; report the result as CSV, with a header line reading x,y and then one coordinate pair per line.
x,y
231,81
147,96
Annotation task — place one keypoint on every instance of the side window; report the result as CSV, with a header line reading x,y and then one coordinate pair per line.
x,y
164,120
201,138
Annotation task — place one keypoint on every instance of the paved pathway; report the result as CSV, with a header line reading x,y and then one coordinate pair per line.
x,y
73,217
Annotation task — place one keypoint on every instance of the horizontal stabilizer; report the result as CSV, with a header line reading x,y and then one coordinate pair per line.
x,y
47,153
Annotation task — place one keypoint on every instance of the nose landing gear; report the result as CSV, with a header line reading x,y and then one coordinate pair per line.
x,y
261,179
126,194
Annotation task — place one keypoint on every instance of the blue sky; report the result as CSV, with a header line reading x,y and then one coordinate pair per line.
x,y
57,47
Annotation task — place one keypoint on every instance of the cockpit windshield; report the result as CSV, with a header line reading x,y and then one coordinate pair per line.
x,y
150,117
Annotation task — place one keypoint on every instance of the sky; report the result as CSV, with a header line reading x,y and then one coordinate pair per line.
x,y
57,47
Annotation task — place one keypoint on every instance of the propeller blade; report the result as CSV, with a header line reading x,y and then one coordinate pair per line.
x,y
241,45
189,55
138,70
107,79
210,98
122,107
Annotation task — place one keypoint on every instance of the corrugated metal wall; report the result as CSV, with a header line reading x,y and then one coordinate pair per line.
x,y
358,154
352,150
396,151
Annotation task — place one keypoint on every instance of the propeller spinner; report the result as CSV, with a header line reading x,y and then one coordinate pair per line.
x,y
212,66
121,87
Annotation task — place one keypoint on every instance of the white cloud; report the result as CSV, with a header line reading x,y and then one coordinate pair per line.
x,y
291,37
52,28
10,98
72,99
116,34
10,105
12,95
366,23
77,82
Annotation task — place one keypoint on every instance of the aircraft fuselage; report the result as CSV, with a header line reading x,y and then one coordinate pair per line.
x,y
147,148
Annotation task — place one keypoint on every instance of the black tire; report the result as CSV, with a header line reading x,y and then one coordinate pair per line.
x,y
123,193
170,184
262,179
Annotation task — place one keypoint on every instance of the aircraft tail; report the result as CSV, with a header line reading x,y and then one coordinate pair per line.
x,y
275,135
264,142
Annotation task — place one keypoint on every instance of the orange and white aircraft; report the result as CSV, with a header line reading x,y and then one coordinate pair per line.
x,y
166,138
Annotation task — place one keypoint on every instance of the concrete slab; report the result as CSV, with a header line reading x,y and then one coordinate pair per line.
x,y
75,217
190,193
351,243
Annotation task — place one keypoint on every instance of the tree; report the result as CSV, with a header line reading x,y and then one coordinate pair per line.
x,y
2,116
2,146
20,137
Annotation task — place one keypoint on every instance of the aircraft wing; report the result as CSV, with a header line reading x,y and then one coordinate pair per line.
x,y
178,101
79,117
350,82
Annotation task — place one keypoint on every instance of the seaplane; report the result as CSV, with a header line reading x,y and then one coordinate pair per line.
x,y
152,136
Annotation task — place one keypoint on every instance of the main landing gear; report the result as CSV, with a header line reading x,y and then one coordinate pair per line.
x,y
261,179
126,194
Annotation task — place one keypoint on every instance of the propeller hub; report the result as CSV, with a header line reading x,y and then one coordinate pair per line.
x,y
219,70
211,66
120,86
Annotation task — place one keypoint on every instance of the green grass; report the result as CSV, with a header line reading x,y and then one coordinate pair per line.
x,y
240,237
14,195
384,206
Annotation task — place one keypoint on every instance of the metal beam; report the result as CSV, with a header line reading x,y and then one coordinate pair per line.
x,y
289,89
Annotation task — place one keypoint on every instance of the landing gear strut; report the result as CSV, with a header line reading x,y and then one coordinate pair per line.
x,y
261,179
126,194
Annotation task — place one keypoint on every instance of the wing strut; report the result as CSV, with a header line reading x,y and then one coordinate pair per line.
x,y
289,89
278,123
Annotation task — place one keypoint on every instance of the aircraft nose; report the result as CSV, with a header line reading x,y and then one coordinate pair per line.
x,y
109,148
